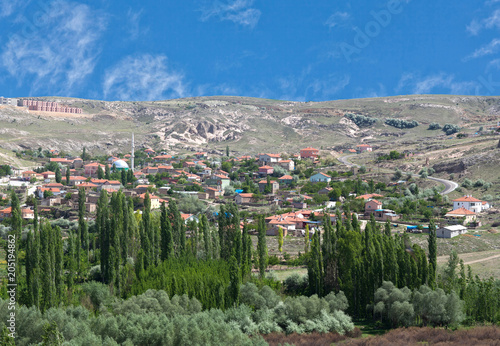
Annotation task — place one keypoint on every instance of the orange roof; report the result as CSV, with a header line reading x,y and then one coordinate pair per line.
x,y
266,167
369,195
309,148
87,184
143,186
461,211
467,199
142,196
374,200
286,177
246,195
94,164
221,176
57,159
272,155
186,216
53,185
78,178
265,181
281,222
29,172
351,150
363,145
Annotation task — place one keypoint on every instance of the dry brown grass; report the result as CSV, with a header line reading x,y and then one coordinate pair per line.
x,y
433,336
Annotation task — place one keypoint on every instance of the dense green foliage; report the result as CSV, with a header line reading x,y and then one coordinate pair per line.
x,y
361,120
401,123
450,129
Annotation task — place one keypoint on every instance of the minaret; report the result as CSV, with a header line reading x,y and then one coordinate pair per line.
x,y
132,154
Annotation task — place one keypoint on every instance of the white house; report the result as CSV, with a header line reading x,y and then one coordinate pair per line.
x,y
451,231
470,203
320,177
269,158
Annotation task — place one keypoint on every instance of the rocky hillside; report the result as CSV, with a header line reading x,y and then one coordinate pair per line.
x,y
247,125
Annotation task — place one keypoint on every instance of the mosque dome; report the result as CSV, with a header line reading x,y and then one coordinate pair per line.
x,y
120,164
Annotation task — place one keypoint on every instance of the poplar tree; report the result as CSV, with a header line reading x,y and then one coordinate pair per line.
x,y
58,175
207,239
68,173
16,224
166,233
235,280
314,268
35,259
82,226
102,226
70,263
107,174
58,264
262,246
100,173
46,265
306,240
432,241
147,232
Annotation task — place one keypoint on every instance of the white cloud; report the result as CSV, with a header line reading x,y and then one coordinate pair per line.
x,y
57,47
426,85
488,49
143,78
337,19
237,11
133,26
7,7
493,21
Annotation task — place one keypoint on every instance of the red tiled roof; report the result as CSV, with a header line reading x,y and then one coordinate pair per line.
x,y
461,211
246,195
286,177
467,199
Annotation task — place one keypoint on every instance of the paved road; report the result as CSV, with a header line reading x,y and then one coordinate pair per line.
x,y
449,185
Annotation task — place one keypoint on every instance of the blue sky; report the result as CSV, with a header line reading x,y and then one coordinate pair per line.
x,y
281,49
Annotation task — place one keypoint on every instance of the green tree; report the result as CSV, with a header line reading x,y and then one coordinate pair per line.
x,y
68,174
235,280
16,224
51,335
262,246
306,239
107,174
432,243
100,173
167,245
227,150
58,175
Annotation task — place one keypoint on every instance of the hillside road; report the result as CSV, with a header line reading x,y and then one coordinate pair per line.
x,y
449,185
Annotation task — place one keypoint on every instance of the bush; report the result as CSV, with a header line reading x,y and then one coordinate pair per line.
x,y
450,129
361,120
400,123
434,126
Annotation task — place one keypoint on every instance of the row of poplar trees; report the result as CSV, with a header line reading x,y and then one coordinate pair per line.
x,y
357,263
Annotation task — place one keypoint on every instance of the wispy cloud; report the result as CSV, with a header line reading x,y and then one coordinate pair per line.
x,y
337,19
143,78
428,84
134,26
237,11
7,7
493,21
488,49
57,52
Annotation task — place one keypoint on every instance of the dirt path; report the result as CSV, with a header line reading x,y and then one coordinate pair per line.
x,y
482,259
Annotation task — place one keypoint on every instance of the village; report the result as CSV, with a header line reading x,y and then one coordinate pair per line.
x,y
294,191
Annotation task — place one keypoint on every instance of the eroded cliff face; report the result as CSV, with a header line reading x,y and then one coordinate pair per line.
x,y
257,124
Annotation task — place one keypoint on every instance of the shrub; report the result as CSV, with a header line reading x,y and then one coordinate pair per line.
x,y
434,126
450,129
361,120
400,123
